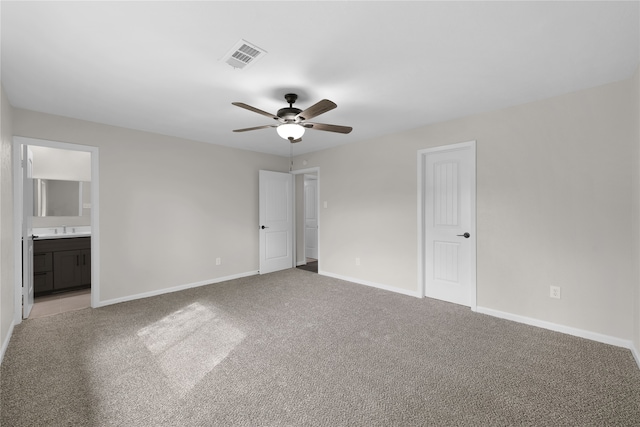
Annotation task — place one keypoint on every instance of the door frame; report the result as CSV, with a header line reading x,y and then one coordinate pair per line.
x,y
315,170
422,262
17,216
304,213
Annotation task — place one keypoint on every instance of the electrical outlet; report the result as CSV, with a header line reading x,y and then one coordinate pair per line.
x,y
554,292
218,261
357,261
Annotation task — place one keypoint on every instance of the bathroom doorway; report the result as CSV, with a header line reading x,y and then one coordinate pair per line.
x,y
56,211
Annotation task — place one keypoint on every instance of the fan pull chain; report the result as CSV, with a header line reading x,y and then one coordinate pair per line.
x,y
291,157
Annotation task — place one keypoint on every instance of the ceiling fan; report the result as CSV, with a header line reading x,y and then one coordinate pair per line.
x,y
293,121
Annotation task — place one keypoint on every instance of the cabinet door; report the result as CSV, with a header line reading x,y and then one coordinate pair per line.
x,y
43,282
85,262
67,269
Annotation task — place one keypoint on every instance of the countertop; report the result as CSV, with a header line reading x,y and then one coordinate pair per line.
x,y
60,236
62,232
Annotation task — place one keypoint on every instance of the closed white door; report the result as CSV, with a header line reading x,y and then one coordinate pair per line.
x,y
27,231
311,217
276,221
449,223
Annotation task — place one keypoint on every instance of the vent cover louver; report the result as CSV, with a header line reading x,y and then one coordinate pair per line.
x,y
243,54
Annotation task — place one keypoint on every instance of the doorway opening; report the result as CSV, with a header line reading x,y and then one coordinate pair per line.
x,y
56,216
307,221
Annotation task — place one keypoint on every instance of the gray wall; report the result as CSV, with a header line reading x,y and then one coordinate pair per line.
x,y
6,219
168,206
554,207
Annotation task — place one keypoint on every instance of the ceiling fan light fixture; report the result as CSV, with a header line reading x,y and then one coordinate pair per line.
x,y
290,131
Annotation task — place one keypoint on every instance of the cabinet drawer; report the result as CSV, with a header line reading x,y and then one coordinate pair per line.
x,y
42,262
42,282
66,244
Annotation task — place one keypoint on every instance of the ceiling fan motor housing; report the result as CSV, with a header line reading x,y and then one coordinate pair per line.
x,y
289,113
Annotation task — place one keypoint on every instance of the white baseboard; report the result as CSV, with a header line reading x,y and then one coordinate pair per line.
x,y
636,355
5,343
175,289
372,284
594,336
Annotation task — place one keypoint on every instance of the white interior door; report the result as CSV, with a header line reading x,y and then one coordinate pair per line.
x,y
311,216
449,224
27,231
276,221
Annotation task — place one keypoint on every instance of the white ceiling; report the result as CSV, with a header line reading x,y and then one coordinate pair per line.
x,y
390,66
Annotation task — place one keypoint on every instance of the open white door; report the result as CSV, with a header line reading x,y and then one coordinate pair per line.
x,y
311,216
27,231
449,211
276,221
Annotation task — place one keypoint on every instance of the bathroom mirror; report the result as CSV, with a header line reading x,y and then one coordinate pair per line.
x,y
52,197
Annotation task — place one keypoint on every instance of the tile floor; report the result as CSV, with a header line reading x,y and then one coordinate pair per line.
x,y
60,303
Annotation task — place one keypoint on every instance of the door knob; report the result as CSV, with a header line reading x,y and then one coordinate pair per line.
x,y
465,235
263,227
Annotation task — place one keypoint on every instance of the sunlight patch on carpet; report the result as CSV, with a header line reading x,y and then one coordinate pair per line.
x,y
189,343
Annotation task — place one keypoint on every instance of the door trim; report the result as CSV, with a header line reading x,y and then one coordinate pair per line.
x,y
422,264
304,213
17,217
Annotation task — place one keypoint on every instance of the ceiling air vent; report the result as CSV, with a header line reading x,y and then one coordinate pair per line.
x,y
243,54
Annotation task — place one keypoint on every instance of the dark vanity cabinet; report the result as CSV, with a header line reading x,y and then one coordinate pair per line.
x,y
42,272
61,264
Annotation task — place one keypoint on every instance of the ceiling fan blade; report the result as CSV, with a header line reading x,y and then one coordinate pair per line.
x,y
329,128
255,128
294,140
255,110
317,109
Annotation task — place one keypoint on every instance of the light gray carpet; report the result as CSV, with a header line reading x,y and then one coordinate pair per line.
x,y
298,349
